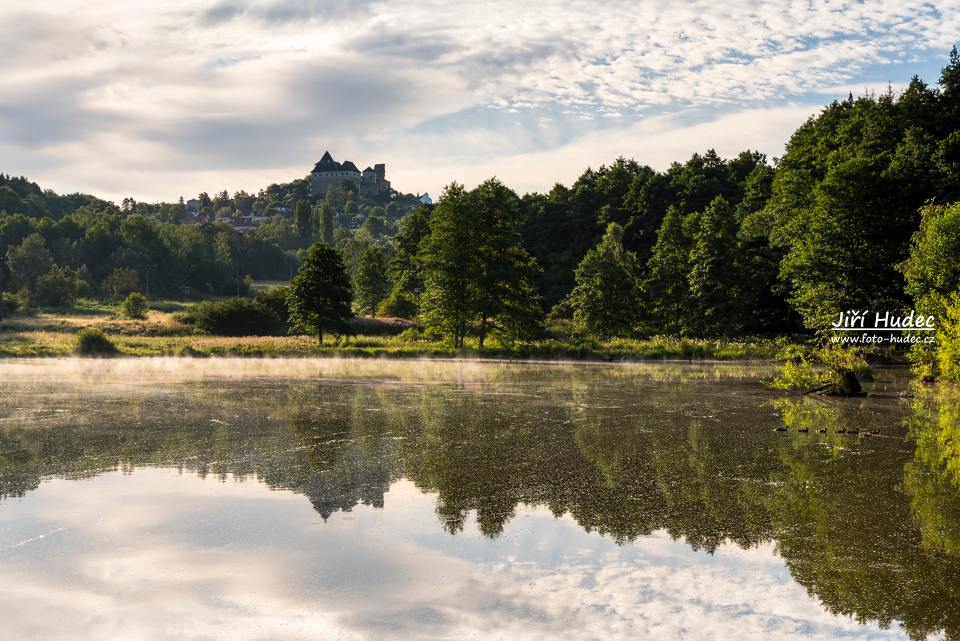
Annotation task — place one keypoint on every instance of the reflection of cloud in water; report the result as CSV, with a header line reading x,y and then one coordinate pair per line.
x,y
159,555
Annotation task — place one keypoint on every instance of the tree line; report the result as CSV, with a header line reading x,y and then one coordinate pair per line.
x,y
859,213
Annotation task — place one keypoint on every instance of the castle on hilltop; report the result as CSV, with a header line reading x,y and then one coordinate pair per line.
x,y
330,173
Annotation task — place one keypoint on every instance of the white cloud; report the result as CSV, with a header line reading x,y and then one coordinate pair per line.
x,y
161,555
154,100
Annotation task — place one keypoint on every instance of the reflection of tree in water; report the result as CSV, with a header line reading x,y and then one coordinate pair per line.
x,y
344,457
869,526
615,466
846,532
932,478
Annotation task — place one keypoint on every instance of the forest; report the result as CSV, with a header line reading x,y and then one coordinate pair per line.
x,y
861,212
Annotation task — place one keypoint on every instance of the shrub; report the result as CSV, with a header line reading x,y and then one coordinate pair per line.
x,y
948,341
397,304
802,373
188,351
56,288
235,317
275,299
135,306
91,341
121,281
799,374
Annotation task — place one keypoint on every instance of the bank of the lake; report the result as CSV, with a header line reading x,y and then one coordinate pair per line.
x,y
164,333
33,343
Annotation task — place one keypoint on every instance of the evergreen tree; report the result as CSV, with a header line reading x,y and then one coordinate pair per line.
x,y
763,308
324,217
404,269
713,295
370,281
301,220
666,288
606,298
320,294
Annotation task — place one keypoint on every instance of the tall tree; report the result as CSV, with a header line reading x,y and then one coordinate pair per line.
x,y
606,298
503,288
933,273
474,267
370,281
320,294
666,289
450,266
762,297
713,294
324,217
28,261
301,220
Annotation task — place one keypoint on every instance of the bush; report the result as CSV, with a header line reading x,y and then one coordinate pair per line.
x,y
235,317
948,341
121,281
275,299
7,305
135,306
93,342
828,366
799,374
56,288
397,304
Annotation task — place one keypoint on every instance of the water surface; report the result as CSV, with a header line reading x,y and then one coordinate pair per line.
x,y
328,499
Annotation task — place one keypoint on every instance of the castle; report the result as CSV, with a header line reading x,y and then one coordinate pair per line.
x,y
330,173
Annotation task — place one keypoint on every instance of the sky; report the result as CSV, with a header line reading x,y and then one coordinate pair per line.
x,y
155,100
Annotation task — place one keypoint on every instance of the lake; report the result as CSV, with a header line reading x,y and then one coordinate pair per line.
x,y
334,499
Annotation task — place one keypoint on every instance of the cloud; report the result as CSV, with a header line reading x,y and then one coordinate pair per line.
x,y
656,141
205,559
146,99
282,11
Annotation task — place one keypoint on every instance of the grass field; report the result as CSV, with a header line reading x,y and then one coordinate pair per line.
x,y
53,333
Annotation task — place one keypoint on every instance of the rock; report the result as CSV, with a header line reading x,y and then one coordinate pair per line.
x,y
849,385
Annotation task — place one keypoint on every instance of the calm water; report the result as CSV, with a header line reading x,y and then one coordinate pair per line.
x,y
225,499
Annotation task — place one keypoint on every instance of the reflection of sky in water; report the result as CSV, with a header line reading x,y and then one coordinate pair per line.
x,y
158,555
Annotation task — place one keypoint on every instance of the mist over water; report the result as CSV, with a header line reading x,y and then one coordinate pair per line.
x,y
374,499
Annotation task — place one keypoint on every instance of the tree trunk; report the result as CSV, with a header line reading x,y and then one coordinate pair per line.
x,y
483,331
320,335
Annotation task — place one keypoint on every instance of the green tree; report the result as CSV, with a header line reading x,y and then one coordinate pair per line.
x,y
404,269
121,282
301,220
320,294
370,281
666,288
450,269
56,288
606,298
28,261
932,274
474,267
505,299
713,295
762,297
324,215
